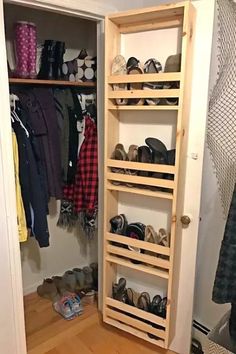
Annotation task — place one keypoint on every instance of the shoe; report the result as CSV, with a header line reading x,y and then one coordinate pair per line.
x,y
152,66
48,290
59,53
48,60
88,278
118,290
119,224
150,236
132,297
32,50
21,49
80,278
133,68
173,64
94,267
119,68
70,281
163,238
144,301
136,231
154,305
144,156
64,307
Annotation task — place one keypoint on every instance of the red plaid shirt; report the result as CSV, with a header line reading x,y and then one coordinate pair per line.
x,y
84,192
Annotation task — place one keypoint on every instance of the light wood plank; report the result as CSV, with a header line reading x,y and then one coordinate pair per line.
x,y
142,257
134,323
50,82
135,332
140,191
159,77
144,108
135,311
147,181
144,93
163,23
141,166
137,243
140,267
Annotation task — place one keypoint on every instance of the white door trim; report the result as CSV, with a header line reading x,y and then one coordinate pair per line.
x,y
87,9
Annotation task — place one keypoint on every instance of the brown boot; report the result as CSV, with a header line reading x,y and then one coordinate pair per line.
x,y
48,290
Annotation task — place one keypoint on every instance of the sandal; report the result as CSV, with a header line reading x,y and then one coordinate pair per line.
x,y
135,85
145,156
154,306
132,297
152,66
118,154
173,64
118,289
144,301
119,68
159,154
133,157
119,224
163,238
150,236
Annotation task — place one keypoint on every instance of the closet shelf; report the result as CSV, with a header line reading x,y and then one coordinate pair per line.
x,y
140,267
144,108
160,77
128,241
129,329
50,82
145,192
146,259
168,93
141,166
141,325
135,311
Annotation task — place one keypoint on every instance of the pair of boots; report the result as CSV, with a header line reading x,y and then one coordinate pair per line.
x,y
52,60
26,49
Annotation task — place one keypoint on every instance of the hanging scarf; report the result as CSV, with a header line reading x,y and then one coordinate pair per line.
x,y
80,199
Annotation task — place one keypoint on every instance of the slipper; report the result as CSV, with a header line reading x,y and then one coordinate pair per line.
x,y
154,306
133,157
136,231
118,289
119,153
163,238
144,301
159,154
145,156
152,66
152,237
135,70
173,64
132,63
119,224
132,297
119,68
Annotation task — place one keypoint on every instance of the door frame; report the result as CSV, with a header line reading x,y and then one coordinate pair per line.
x,y
87,9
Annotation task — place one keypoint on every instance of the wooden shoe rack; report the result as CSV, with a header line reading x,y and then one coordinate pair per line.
x,y
131,319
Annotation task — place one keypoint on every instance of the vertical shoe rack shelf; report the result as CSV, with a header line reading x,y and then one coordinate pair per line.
x,y
130,319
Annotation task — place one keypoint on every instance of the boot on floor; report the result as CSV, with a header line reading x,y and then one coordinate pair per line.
x,y
48,290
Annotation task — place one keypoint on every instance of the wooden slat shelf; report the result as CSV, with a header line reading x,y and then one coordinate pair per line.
x,y
159,77
141,166
170,93
140,267
147,181
137,243
140,191
133,322
135,311
133,331
142,257
144,108
50,82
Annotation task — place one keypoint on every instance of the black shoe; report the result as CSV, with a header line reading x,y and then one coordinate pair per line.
x,y
118,290
59,53
48,60
118,224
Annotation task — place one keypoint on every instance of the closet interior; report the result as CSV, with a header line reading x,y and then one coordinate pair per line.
x,y
52,76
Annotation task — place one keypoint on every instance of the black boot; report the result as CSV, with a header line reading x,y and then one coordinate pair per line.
x,y
60,50
48,61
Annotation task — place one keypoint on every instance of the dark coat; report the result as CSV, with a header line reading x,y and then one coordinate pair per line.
x,y
224,290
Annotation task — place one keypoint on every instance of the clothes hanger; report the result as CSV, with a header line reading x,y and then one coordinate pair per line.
x,y
14,115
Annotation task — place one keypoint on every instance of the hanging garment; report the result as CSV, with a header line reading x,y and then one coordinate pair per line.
x,y
41,114
63,102
224,290
21,221
31,181
81,198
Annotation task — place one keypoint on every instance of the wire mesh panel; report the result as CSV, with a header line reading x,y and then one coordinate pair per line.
x,y
221,132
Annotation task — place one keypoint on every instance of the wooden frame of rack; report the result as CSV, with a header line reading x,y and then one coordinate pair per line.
x,y
117,313
18,81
